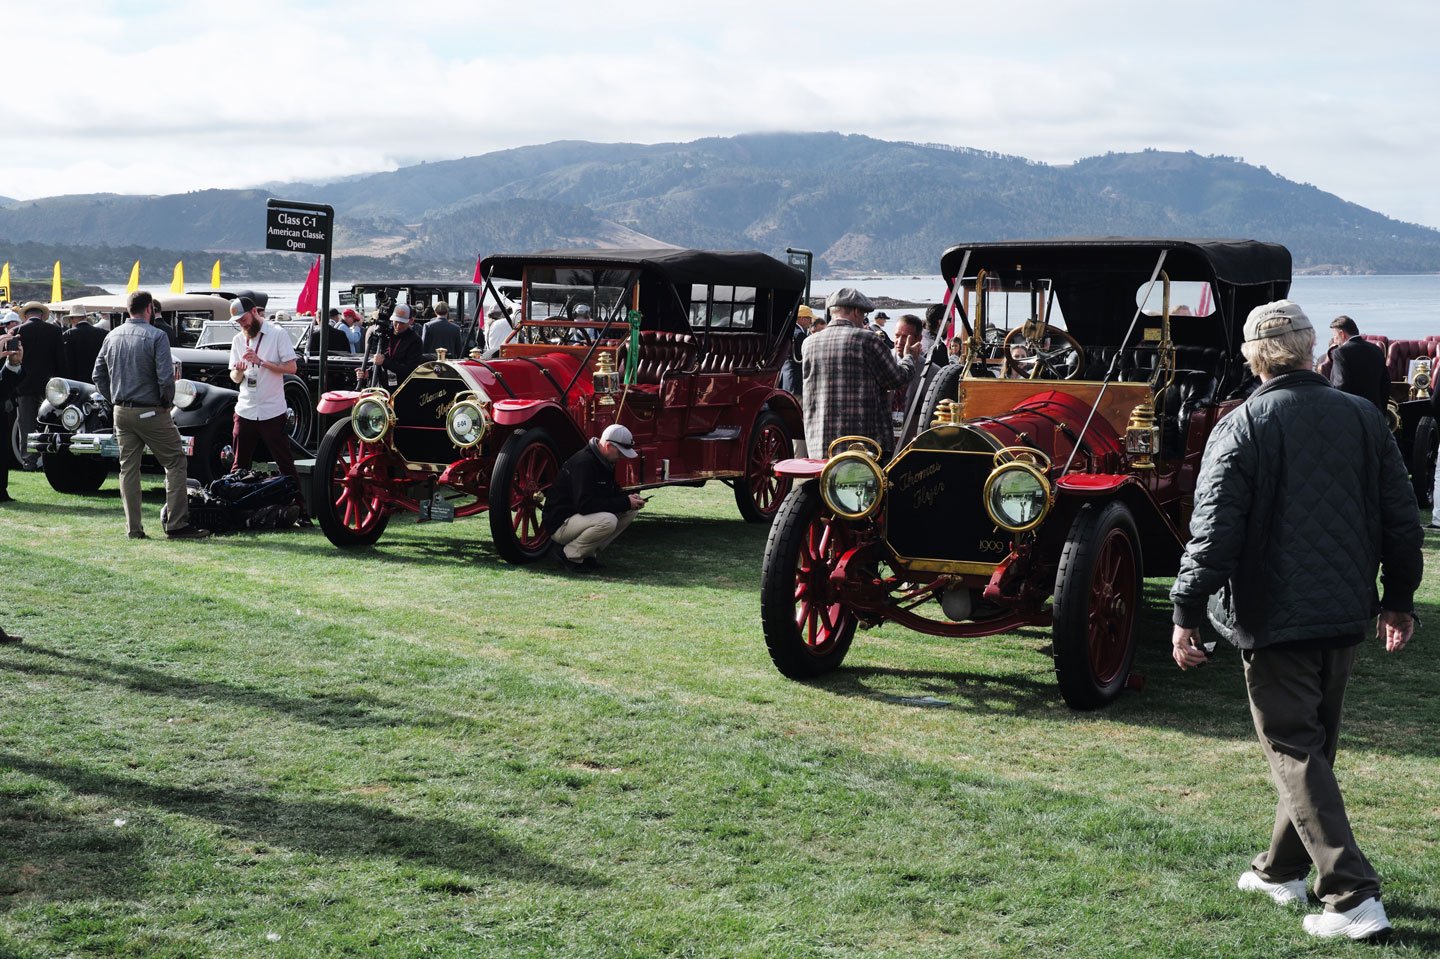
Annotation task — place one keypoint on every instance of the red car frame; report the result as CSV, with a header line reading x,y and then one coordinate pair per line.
x,y
1058,467
683,347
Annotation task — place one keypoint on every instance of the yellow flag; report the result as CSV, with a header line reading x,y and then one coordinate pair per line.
x,y
177,285
5,280
55,295
215,276
134,283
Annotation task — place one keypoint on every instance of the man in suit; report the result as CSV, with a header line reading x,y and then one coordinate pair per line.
x,y
12,353
332,334
1357,366
80,344
44,358
441,333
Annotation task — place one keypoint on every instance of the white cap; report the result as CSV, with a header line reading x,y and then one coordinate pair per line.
x,y
621,439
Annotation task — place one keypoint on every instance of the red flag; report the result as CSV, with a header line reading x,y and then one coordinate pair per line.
x,y
309,299
478,277
1204,308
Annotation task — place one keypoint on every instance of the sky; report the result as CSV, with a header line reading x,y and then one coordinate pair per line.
x,y
154,96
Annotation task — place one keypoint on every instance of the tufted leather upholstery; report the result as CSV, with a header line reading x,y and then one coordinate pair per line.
x,y
732,352
661,352
1403,351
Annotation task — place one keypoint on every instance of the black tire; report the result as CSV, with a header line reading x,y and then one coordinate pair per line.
x,y
299,412
214,452
944,386
1422,460
69,473
759,493
527,464
1097,594
347,518
790,567
15,451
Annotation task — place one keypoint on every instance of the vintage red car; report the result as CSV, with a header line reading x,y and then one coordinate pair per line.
x,y
1058,469
681,346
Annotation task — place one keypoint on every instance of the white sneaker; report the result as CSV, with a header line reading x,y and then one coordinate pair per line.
x,y
1363,922
1284,893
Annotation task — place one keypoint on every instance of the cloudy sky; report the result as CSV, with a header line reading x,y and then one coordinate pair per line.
x,y
154,96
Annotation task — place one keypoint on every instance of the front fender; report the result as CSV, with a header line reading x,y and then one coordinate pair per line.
x,y
1160,541
217,402
337,401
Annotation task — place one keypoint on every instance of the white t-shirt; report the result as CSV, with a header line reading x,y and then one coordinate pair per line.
x,y
266,399
498,333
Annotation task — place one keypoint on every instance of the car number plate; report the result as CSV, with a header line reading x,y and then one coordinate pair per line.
x,y
437,509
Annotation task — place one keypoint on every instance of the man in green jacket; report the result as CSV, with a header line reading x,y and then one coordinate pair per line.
x,y
1302,498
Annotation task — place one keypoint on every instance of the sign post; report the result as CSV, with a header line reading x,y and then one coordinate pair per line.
x,y
294,226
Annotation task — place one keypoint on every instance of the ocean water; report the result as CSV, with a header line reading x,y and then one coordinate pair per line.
x,y
1400,307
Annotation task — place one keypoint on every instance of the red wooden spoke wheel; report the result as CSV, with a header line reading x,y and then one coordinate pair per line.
x,y
1097,592
524,470
807,630
759,493
349,483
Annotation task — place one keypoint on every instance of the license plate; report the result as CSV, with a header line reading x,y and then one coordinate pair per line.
x,y
187,443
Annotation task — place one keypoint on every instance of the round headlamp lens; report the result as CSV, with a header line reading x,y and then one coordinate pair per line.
x,y
185,394
851,485
1017,497
71,418
57,391
466,424
371,419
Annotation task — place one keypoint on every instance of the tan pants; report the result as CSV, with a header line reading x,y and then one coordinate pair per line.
x,y
1295,699
137,427
585,535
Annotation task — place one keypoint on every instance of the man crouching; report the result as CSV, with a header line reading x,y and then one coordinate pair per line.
x,y
585,509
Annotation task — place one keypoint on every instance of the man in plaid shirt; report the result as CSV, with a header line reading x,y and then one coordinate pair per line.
x,y
848,375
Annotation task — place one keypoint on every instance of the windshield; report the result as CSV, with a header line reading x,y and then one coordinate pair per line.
x,y
575,298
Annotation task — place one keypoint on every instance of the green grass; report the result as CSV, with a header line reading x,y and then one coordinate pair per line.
x,y
418,750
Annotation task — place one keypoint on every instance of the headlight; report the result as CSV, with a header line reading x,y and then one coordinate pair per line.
x,y
372,418
71,417
852,485
1017,496
466,423
57,391
187,394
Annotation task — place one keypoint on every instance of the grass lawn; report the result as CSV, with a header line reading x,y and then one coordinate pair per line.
x,y
259,745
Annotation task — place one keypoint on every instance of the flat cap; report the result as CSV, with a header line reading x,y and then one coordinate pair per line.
x,y
851,297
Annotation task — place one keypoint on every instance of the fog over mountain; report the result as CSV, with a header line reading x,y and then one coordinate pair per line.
x,y
858,202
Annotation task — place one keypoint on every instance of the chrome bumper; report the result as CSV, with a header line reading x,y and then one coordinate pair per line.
x,y
105,444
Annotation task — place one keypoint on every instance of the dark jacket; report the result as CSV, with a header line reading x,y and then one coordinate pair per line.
x,y
404,353
585,484
791,380
1358,367
442,334
80,345
1302,497
44,356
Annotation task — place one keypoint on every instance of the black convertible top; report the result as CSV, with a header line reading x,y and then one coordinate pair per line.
x,y
723,267
1237,262
1096,279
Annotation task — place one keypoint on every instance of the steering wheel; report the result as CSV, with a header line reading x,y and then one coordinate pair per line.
x,y
1044,358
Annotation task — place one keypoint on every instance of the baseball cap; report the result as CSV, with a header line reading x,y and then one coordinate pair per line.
x,y
402,313
621,437
1275,319
246,304
805,313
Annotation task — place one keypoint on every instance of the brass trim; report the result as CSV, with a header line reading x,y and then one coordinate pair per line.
x,y
1024,467
467,399
863,441
847,456
958,567
369,396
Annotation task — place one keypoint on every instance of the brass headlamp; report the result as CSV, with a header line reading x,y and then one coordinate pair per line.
x,y
606,379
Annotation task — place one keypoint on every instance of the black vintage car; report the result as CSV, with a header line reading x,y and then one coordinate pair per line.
x,y
75,433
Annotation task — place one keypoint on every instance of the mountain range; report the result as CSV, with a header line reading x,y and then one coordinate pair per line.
x,y
861,204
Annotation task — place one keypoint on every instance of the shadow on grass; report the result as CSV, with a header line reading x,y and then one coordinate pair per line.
x,y
340,829
56,856
334,711
973,692
1423,942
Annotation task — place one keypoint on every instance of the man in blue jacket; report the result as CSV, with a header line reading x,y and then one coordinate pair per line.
x,y
585,508
1302,498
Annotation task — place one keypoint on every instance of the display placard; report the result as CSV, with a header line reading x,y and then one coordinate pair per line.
x,y
298,231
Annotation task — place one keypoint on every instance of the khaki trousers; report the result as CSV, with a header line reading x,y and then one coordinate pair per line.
x,y
1296,697
585,535
137,427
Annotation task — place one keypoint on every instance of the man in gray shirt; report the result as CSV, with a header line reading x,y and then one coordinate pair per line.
x,y
135,373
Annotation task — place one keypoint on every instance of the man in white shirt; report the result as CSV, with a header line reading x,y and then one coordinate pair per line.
x,y
261,356
496,333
